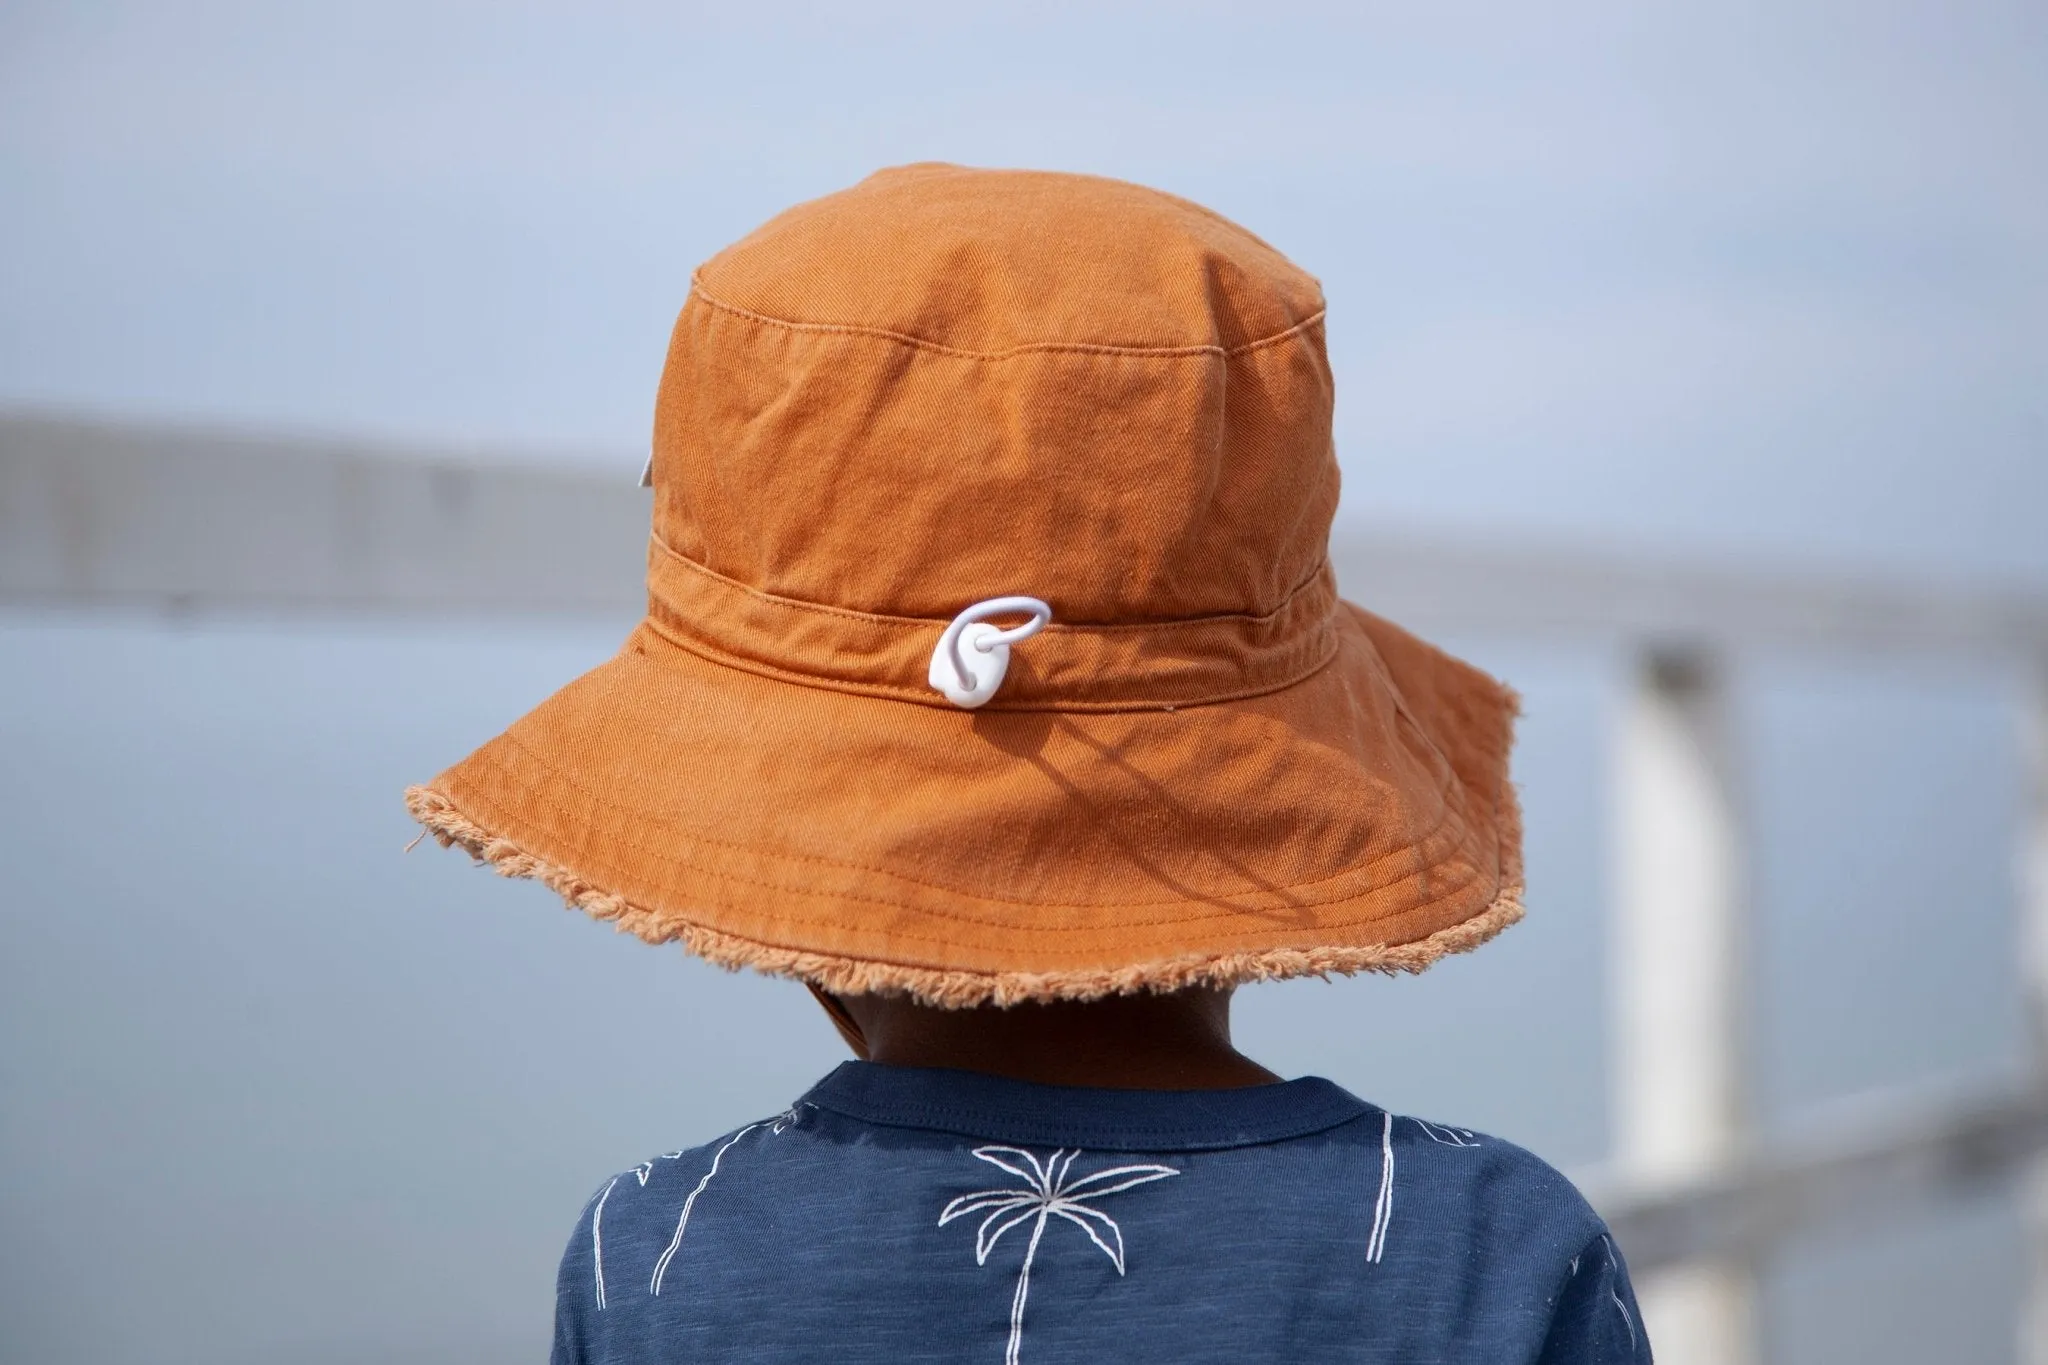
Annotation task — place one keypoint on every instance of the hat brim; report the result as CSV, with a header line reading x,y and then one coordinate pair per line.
x,y
1361,819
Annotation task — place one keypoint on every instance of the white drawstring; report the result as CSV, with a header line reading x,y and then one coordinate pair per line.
x,y
972,656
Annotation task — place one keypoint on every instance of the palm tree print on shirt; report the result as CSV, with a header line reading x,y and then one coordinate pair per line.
x,y
1049,1191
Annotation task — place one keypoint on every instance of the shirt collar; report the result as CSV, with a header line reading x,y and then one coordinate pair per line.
x,y
974,1105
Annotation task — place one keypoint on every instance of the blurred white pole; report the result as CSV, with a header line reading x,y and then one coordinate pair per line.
x,y
1677,973
2033,925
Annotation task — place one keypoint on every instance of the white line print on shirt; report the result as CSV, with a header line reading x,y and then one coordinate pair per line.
x,y
1449,1137
774,1125
1382,1207
642,1171
646,1168
1614,1269
597,1240
1047,1193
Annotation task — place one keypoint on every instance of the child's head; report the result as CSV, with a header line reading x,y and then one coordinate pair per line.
x,y
831,751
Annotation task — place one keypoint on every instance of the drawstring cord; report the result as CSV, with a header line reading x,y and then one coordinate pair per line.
x,y
973,656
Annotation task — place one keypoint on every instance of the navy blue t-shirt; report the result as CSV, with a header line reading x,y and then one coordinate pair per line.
x,y
897,1215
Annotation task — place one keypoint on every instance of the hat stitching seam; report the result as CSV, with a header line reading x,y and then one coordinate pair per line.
x,y
1025,348
1447,812
941,913
1445,817
956,987
1311,580
1450,858
924,696
894,933
1449,793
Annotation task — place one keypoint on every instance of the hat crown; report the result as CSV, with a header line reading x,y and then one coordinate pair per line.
x,y
945,384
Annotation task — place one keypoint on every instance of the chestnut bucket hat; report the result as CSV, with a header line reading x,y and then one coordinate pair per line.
x,y
992,649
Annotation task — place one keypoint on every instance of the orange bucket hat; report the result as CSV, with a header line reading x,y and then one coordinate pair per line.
x,y
992,649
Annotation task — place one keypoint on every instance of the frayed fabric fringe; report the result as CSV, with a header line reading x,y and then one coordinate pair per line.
x,y
956,989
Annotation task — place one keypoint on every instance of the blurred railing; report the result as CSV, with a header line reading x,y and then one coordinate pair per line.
x,y
99,517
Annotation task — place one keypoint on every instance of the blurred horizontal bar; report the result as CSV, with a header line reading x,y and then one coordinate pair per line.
x,y
1901,1153
1559,592
97,515
187,522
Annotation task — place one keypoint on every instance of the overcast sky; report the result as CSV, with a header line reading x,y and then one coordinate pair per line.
x,y
1714,277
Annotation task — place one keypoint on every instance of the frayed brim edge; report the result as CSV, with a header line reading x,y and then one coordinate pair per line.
x,y
955,989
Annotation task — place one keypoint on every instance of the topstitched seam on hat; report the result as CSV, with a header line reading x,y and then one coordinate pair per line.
x,y
1367,870
925,696
1453,795
782,923
1312,580
854,973
1450,795
897,933
1421,875
1025,348
1445,815
1450,858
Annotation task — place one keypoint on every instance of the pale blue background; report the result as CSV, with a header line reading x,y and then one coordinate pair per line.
x,y
1743,282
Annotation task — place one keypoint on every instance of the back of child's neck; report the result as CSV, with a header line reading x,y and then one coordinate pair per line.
x,y
1177,1041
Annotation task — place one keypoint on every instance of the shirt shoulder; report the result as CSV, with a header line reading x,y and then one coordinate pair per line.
x,y
631,1227
1534,1264
1485,1189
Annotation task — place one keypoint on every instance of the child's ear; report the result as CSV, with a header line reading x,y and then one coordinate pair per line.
x,y
841,1020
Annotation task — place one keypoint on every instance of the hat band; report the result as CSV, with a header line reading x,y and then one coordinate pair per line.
x,y
1149,665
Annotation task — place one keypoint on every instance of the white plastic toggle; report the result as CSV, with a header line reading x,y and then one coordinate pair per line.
x,y
973,656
